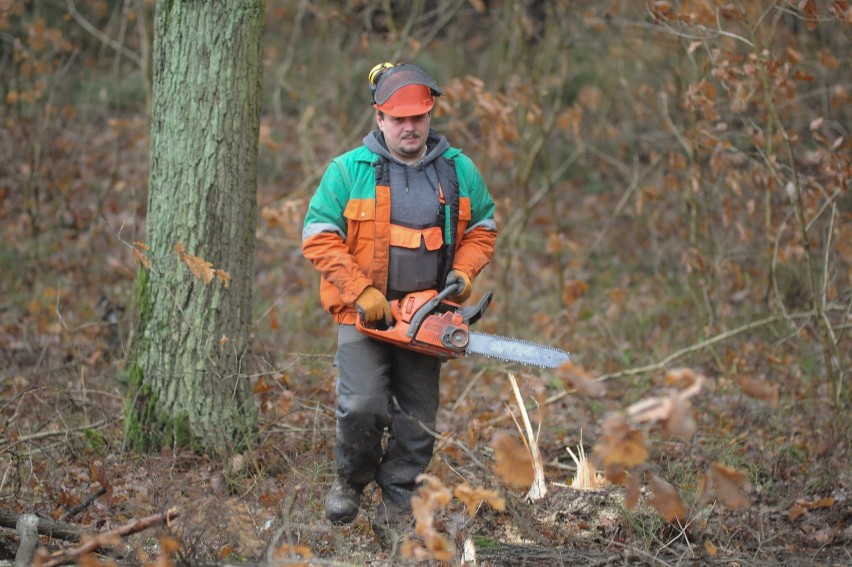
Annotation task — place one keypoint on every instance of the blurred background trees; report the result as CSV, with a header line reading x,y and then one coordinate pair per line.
x,y
665,171
671,176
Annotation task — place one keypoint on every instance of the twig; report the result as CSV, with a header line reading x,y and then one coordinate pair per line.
x,y
46,434
682,352
109,538
83,505
86,25
468,387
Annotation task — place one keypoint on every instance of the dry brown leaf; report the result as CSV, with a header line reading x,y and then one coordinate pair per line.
x,y
651,410
799,507
673,411
809,11
512,462
729,485
631,495
758,388
472,497
711,549
289,551
199,267
440,547
620,444
433,491
666,500
681,377
615,473
573,290
795,511
224,277
424,516
413,549
578,378
140,258
680,422
430,497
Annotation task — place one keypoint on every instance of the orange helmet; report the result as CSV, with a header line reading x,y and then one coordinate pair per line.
x,y
403,90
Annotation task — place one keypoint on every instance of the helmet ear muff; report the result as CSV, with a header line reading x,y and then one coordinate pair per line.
x,y
376,74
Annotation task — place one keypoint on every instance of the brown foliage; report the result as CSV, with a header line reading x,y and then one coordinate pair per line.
x,y
673,172
512,461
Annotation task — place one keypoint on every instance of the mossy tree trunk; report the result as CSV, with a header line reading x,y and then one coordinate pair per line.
x,y
188,382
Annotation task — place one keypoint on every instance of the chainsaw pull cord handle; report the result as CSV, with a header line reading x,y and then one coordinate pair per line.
x,y
416,320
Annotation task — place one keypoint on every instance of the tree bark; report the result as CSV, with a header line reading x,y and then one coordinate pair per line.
x,y
188,383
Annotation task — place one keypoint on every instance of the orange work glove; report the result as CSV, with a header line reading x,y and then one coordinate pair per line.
x,y
459,276
373,306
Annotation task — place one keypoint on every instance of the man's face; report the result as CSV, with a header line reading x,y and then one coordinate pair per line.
x,y
405,136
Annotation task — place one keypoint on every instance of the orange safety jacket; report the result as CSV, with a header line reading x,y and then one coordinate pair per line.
x,y
347,231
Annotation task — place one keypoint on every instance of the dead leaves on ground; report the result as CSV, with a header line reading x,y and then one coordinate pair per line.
x,y
473,497
728,485
431,497
575,376
666,500
758,388
512,462
672,411
622,445
623,452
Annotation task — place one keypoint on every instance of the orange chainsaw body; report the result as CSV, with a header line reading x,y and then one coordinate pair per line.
x,y
424,322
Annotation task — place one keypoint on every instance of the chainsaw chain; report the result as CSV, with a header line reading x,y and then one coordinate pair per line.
x,y
517,341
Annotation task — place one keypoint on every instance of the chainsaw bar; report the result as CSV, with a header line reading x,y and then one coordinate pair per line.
x,y
516,350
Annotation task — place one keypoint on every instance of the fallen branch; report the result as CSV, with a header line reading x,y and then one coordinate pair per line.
x,y
83,505
108,538
47,527
56,433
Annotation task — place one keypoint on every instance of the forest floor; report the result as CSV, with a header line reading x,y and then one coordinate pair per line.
x,y
65,326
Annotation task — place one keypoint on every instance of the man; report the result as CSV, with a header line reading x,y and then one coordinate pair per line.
x,y
403,212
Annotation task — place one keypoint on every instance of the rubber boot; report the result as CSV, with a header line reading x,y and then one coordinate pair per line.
x,y
342,502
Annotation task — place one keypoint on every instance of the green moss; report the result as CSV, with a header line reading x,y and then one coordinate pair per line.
x,y
97,442
179,434
484,542
140,413
143,299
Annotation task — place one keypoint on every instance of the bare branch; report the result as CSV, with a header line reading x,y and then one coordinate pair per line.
x,y
105,39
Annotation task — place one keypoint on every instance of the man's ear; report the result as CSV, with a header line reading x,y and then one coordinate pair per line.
x,y
379,119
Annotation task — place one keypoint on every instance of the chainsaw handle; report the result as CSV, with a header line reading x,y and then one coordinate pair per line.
x,y
453,289
361,320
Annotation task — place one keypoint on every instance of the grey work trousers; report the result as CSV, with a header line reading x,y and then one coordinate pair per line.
x,y
381,386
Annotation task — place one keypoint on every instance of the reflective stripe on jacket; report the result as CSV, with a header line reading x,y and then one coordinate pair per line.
x,y
347,230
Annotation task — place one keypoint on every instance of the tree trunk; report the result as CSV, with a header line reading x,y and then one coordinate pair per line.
x,y
188,383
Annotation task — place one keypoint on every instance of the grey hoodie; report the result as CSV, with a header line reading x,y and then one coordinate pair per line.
x,y
414,204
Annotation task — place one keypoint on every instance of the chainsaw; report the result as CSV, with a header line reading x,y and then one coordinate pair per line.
x,y
427,322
